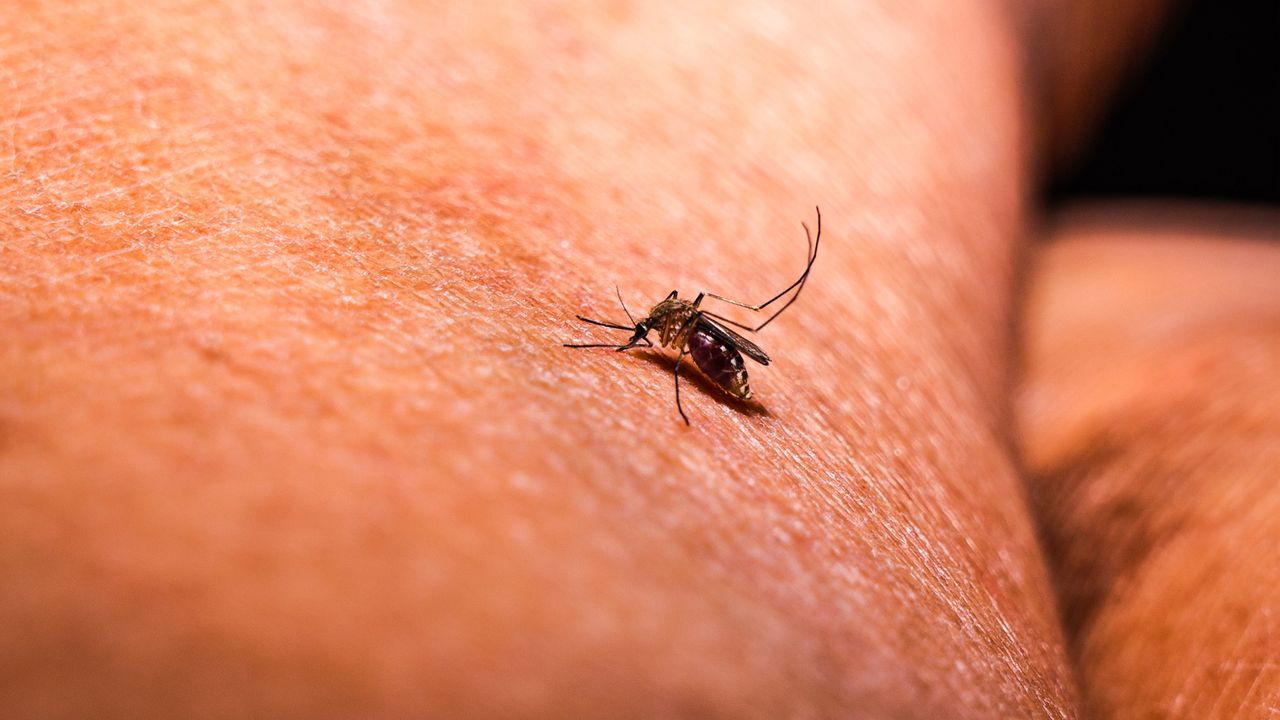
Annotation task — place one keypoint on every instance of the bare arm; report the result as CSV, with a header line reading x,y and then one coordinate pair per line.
x,y
286,427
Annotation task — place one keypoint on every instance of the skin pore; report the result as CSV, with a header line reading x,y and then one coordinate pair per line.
x,y
285,424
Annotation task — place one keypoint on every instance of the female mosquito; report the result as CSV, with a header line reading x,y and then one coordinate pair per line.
x,y
716,350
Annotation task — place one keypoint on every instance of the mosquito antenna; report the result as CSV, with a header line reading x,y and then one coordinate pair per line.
x,y
624,305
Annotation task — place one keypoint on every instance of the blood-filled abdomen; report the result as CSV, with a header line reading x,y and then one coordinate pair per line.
x,y
720,362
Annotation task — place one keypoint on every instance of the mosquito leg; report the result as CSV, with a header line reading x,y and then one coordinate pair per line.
x,y
798,285
679,408
698,301
726,320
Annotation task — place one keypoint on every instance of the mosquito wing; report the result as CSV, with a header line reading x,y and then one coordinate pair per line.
x,y
733,339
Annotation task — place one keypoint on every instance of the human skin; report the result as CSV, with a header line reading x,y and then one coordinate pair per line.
x,y
287,428
1149,417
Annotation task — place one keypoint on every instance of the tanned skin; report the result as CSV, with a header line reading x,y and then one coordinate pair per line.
x,y
287,430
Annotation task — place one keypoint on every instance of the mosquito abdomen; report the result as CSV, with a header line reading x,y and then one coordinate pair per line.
x,y
720,362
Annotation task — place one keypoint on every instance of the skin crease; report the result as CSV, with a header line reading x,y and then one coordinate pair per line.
x,y
286,430
1149,418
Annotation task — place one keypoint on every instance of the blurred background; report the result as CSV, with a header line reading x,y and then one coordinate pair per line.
x,y
1198,118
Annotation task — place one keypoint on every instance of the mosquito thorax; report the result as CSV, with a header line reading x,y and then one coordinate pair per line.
x,y
670,318
666,308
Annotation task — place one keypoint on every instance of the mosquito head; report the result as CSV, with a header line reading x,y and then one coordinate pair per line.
x,y
642,331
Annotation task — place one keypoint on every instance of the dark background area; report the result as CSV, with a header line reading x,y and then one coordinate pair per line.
x,y
1199,119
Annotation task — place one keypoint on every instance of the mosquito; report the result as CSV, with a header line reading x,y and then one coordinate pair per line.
x,y
704,335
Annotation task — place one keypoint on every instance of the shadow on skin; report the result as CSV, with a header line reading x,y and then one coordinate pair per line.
x,y
691,375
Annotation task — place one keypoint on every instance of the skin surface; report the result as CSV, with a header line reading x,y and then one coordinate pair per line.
x,y
288,426
286,429
1150,426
